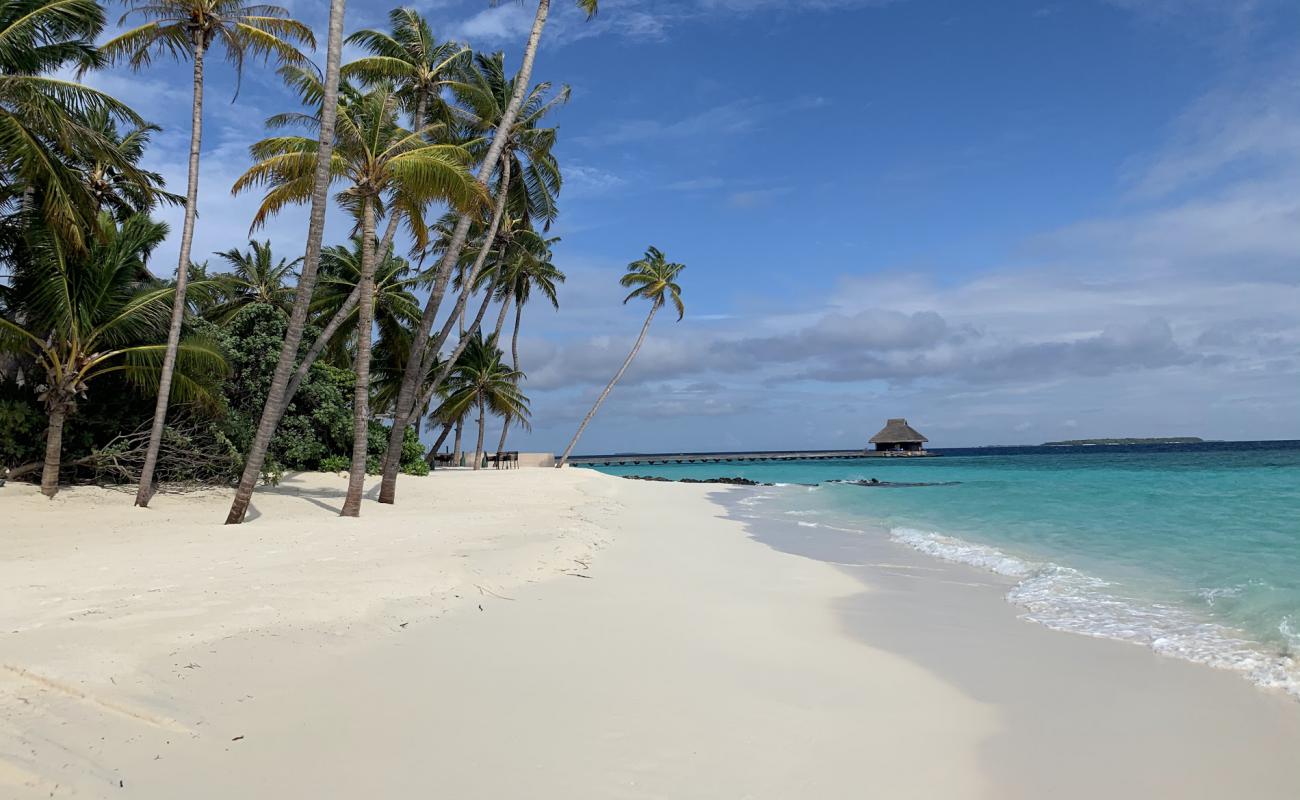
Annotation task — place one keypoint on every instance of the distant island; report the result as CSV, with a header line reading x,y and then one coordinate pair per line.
x,y
1156,440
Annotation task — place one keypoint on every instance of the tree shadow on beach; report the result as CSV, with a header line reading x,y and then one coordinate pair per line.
x,y
327,498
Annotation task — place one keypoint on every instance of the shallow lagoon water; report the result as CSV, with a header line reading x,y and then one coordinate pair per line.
x,y
1193,550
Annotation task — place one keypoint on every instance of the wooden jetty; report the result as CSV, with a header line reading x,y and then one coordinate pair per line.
x,y
637,459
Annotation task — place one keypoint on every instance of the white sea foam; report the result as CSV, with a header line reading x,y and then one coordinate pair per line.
x,y
1217,593
754,499
1289,631
1066,599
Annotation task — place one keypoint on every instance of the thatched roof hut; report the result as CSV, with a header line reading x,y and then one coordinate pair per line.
x,y
898,435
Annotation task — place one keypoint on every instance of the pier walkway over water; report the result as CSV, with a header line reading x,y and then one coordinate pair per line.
x,y
626,459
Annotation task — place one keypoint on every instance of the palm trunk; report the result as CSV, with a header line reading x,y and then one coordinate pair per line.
x,y
514,365
145,490
276,401
450,363
322,341
587,419
361,366
340,316
415,369
501,315
478,449
455,447
433,451
405,405
53,450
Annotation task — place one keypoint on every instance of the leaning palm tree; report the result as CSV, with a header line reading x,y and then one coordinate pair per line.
x,y
415,367
481,382
84,316
186,29
386,167
652,278
255,277
276,399
529,179
50,127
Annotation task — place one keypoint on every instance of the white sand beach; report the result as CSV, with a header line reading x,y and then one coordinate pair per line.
x,y
561,634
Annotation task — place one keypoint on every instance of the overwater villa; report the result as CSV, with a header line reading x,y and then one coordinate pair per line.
x,y
899,437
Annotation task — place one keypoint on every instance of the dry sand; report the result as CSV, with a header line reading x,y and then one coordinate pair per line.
x,y
530,633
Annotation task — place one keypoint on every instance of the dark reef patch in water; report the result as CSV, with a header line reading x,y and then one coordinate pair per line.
x,y
727,481
875,484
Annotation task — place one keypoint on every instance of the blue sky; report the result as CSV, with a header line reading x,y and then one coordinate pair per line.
x,y
1007,221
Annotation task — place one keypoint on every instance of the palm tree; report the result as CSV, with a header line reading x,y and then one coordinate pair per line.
x,y
123,192
651,278
531,271
395,307
480,381
49,127
415,369
85,316
411,58
530,179
385,166
276,399
186,29
483,93
255,277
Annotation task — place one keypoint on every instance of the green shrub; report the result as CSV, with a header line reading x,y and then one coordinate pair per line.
x,y
318,422
417,467
335,464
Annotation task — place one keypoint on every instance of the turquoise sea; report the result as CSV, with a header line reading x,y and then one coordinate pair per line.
x,y
1192,550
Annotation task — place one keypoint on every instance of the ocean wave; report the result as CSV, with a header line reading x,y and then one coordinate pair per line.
x,y
1066,599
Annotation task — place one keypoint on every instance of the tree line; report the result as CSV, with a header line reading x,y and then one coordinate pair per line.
x,y
268,363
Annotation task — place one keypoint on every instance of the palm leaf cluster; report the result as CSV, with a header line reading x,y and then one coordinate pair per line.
x,y
54,131
179,29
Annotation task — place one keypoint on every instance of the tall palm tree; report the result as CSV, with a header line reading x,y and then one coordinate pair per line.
x,y
276,400
385,166
529,177
483,94
481,382
255,277
83,316
186,29
51,127
533,271
653,278
415,368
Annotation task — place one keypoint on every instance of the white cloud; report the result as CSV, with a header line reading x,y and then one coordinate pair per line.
x,y
493,25
1247,126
